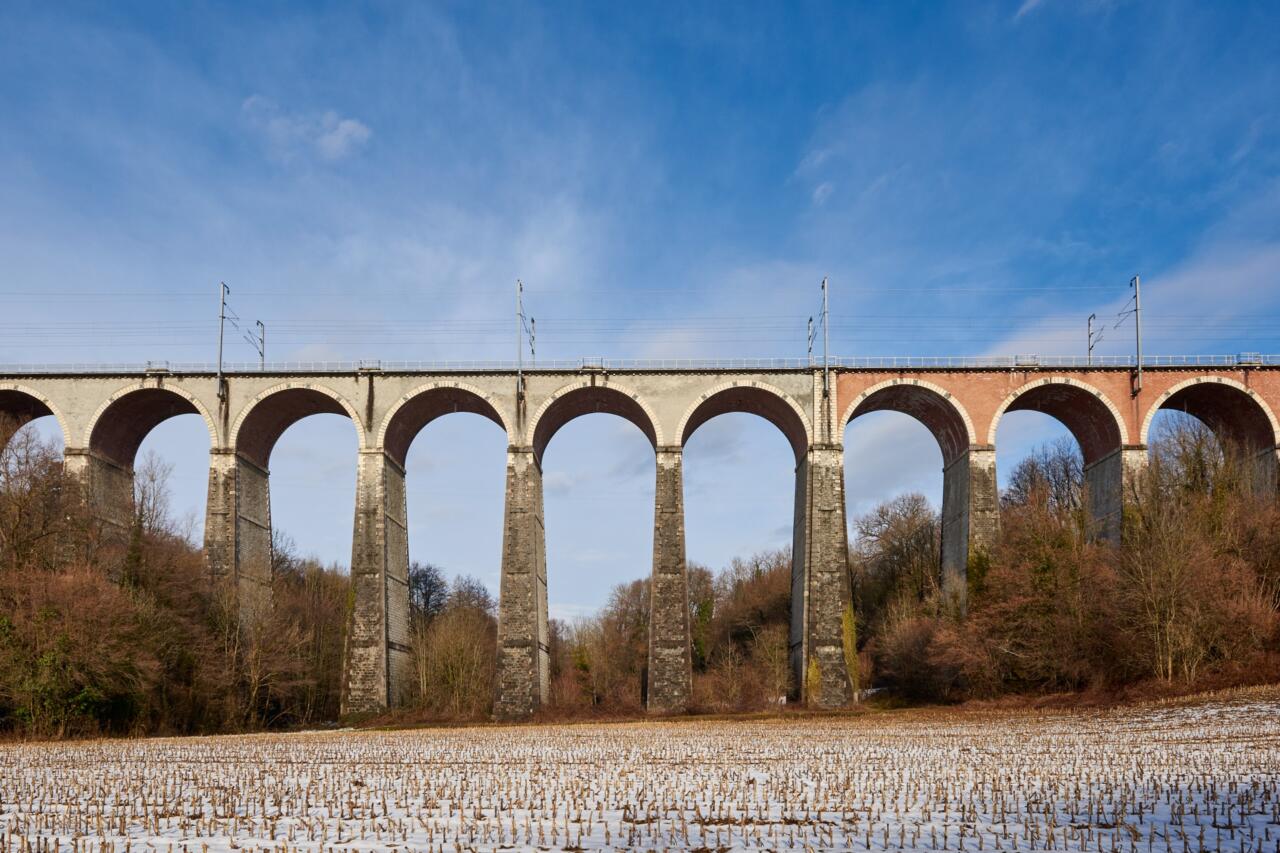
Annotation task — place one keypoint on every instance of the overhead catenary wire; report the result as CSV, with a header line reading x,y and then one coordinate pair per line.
x,y
575,332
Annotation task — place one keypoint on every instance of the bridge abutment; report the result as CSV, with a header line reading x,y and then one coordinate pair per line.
x,y
524,664
379,661
670,686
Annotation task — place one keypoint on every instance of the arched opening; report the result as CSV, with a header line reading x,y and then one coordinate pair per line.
x,y
268,417
25,415
1036,450
1093,481
36,513
743,447
172,469
176,434
18,409
453,469
292,480
590,399
1218,427
910,498
598,479
752,400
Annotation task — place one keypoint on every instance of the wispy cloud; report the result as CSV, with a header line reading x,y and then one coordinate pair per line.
x,y
1027,7
289,135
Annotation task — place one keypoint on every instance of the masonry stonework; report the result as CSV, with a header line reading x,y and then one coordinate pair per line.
x,y
970,519
524,671
237,533
379,662
820,570
670,657
104,417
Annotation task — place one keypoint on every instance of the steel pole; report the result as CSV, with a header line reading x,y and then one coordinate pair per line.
x,y
1137,324
519,339
223,290
826,359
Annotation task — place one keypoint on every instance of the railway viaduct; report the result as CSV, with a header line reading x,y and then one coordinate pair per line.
x,y
104,415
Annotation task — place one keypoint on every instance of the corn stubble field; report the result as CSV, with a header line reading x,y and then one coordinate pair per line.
x,y
1200,775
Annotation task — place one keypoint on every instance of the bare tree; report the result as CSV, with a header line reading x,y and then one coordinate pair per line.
x,y
428,591
151,494
1054,472
770,651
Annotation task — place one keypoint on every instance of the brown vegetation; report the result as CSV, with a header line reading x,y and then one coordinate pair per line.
x,y
1191,596
118,631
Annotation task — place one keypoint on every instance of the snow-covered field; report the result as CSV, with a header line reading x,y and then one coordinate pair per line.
x,y
1198,776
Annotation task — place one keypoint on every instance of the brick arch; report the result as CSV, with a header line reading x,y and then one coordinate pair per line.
x,y
932,405
1084,410
1231,409
756,398
423,405
265,418
125,418
582,398
26,404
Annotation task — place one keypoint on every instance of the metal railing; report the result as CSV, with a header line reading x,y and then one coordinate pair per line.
x,y
1009,362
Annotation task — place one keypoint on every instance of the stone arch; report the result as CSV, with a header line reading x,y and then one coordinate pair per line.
x,y
25,404
1084,410
586,397
1231,409
932,405
125,418
756,398
265,418
424,404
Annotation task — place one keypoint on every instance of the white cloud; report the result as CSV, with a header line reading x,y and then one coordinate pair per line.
x,y
327,136
1027,7
340,136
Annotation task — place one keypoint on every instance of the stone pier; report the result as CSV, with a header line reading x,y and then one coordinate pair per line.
x,y
670,663
970,518
379,660
820,593
237,532
524,666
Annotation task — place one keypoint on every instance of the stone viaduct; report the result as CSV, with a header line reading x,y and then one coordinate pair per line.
x,y
105,414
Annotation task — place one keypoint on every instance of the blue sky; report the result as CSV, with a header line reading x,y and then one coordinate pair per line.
x,y
668,180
